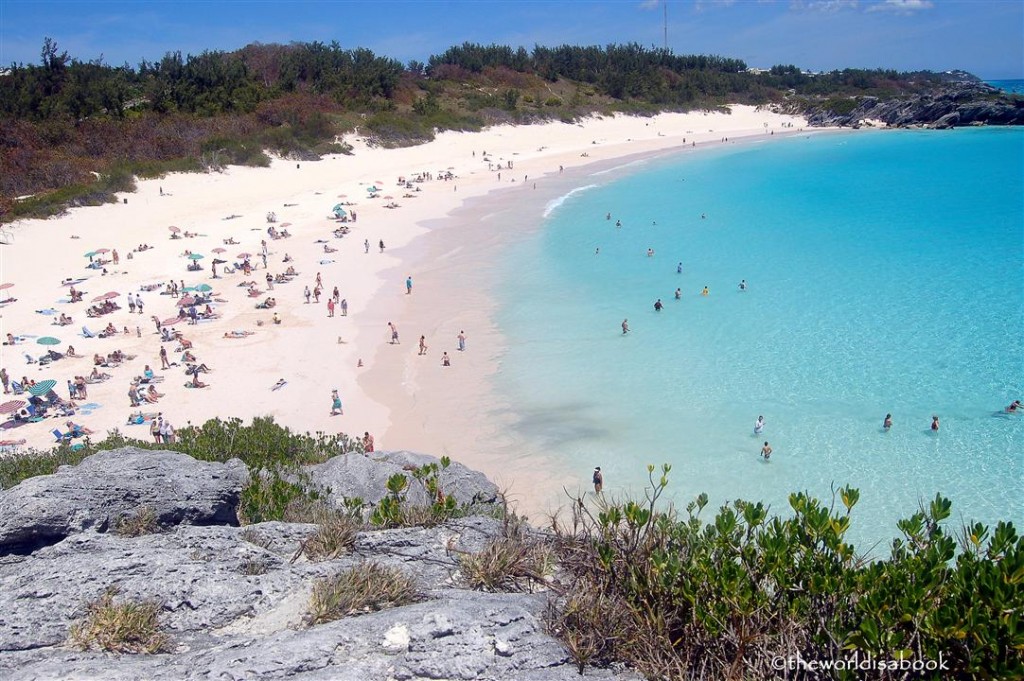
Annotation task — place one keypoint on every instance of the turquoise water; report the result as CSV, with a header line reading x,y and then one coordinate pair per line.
x,y
884,273
1012,86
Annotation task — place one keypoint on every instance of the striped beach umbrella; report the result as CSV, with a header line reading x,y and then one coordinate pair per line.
x,y
11,406
42,387
48,340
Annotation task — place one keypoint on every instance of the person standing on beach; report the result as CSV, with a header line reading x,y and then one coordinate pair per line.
x,y
330,307
307,294
164,364
382,245
6,380
336,295
394,333
408,285
336,409
131,304
766,451
423,345
367,442
116,257
625,326
462,341
138,303
344,307
598,480
445,360
366,249
270,281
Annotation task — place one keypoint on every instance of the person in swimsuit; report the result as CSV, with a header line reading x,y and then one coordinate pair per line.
x,y
598,480
887,422
759,425
658,305
935,424
766,451
625,326
336,409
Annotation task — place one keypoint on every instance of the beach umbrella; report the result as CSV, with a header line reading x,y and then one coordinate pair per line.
x,y
185,301
218,261
373,189
171,321
174,230
286,224
42,387
100,251
218,249
342,196
48,340
243,256
389,197
5,286
90,254
196,256
109,295
11,407
203,288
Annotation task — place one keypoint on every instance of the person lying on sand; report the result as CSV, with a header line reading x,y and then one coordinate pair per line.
x,y
238,334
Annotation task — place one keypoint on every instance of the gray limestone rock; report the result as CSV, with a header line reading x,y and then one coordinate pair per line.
x,y
356,475
110,485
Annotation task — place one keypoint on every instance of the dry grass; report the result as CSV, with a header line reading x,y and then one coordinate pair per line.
x,y
128,627
512,563
143,521
255,566
364,588
257,538
335,533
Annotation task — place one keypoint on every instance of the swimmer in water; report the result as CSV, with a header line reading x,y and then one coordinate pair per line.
x,y
935,424
705,291
759,425
679,294
743,284
679,268
658,305
618,223
625,326
1014,407
766,451
650,252
887,422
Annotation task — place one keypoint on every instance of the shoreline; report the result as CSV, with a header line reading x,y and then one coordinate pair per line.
x,y
311,352
454,252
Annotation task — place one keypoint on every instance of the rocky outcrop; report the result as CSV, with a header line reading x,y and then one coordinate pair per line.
x,y
111,485
955,105
233,599
355,475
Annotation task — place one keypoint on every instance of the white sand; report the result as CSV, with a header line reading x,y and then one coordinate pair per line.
x,y
312,352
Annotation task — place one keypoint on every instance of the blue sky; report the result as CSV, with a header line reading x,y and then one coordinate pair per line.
x,y
985,37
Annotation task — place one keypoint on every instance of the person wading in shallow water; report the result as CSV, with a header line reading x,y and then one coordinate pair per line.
x,y
598,480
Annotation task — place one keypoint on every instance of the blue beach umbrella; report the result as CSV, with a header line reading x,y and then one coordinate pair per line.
x,y
48,340
203,288
196,256
42,387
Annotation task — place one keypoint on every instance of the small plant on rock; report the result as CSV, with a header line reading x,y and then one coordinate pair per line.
x,y
127,627
364,588
336,532
143,521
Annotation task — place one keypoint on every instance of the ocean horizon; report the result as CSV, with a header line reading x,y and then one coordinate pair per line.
x,y
883,275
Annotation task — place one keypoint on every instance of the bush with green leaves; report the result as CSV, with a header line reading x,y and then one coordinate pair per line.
x,y
394,510
681,598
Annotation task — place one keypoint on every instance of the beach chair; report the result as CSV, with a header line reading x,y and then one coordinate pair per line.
x,y
30,359
61,437
17,388
86,333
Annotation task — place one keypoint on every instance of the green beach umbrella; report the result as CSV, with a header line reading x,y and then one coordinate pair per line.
x,y
48,340
196,256
91,254
189,288
203,288
42,387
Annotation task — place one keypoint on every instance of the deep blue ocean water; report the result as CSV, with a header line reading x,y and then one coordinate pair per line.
x,y
1014,86
884,274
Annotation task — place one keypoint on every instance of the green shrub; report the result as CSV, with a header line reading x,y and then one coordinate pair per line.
x,y
336,532
269,496
394,510
127,627
364,588
676,597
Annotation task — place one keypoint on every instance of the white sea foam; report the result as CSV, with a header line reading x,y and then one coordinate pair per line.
x,y
631,164
555,203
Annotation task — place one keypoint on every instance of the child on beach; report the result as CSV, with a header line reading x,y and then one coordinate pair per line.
x,y
336,409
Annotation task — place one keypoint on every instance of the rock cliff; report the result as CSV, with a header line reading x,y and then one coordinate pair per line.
x,y
232,600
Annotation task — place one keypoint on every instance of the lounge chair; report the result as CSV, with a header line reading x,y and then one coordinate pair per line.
x,y
86,333
30,359
17,388
61,437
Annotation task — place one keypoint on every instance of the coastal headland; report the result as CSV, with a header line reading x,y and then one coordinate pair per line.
x,y
377,260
